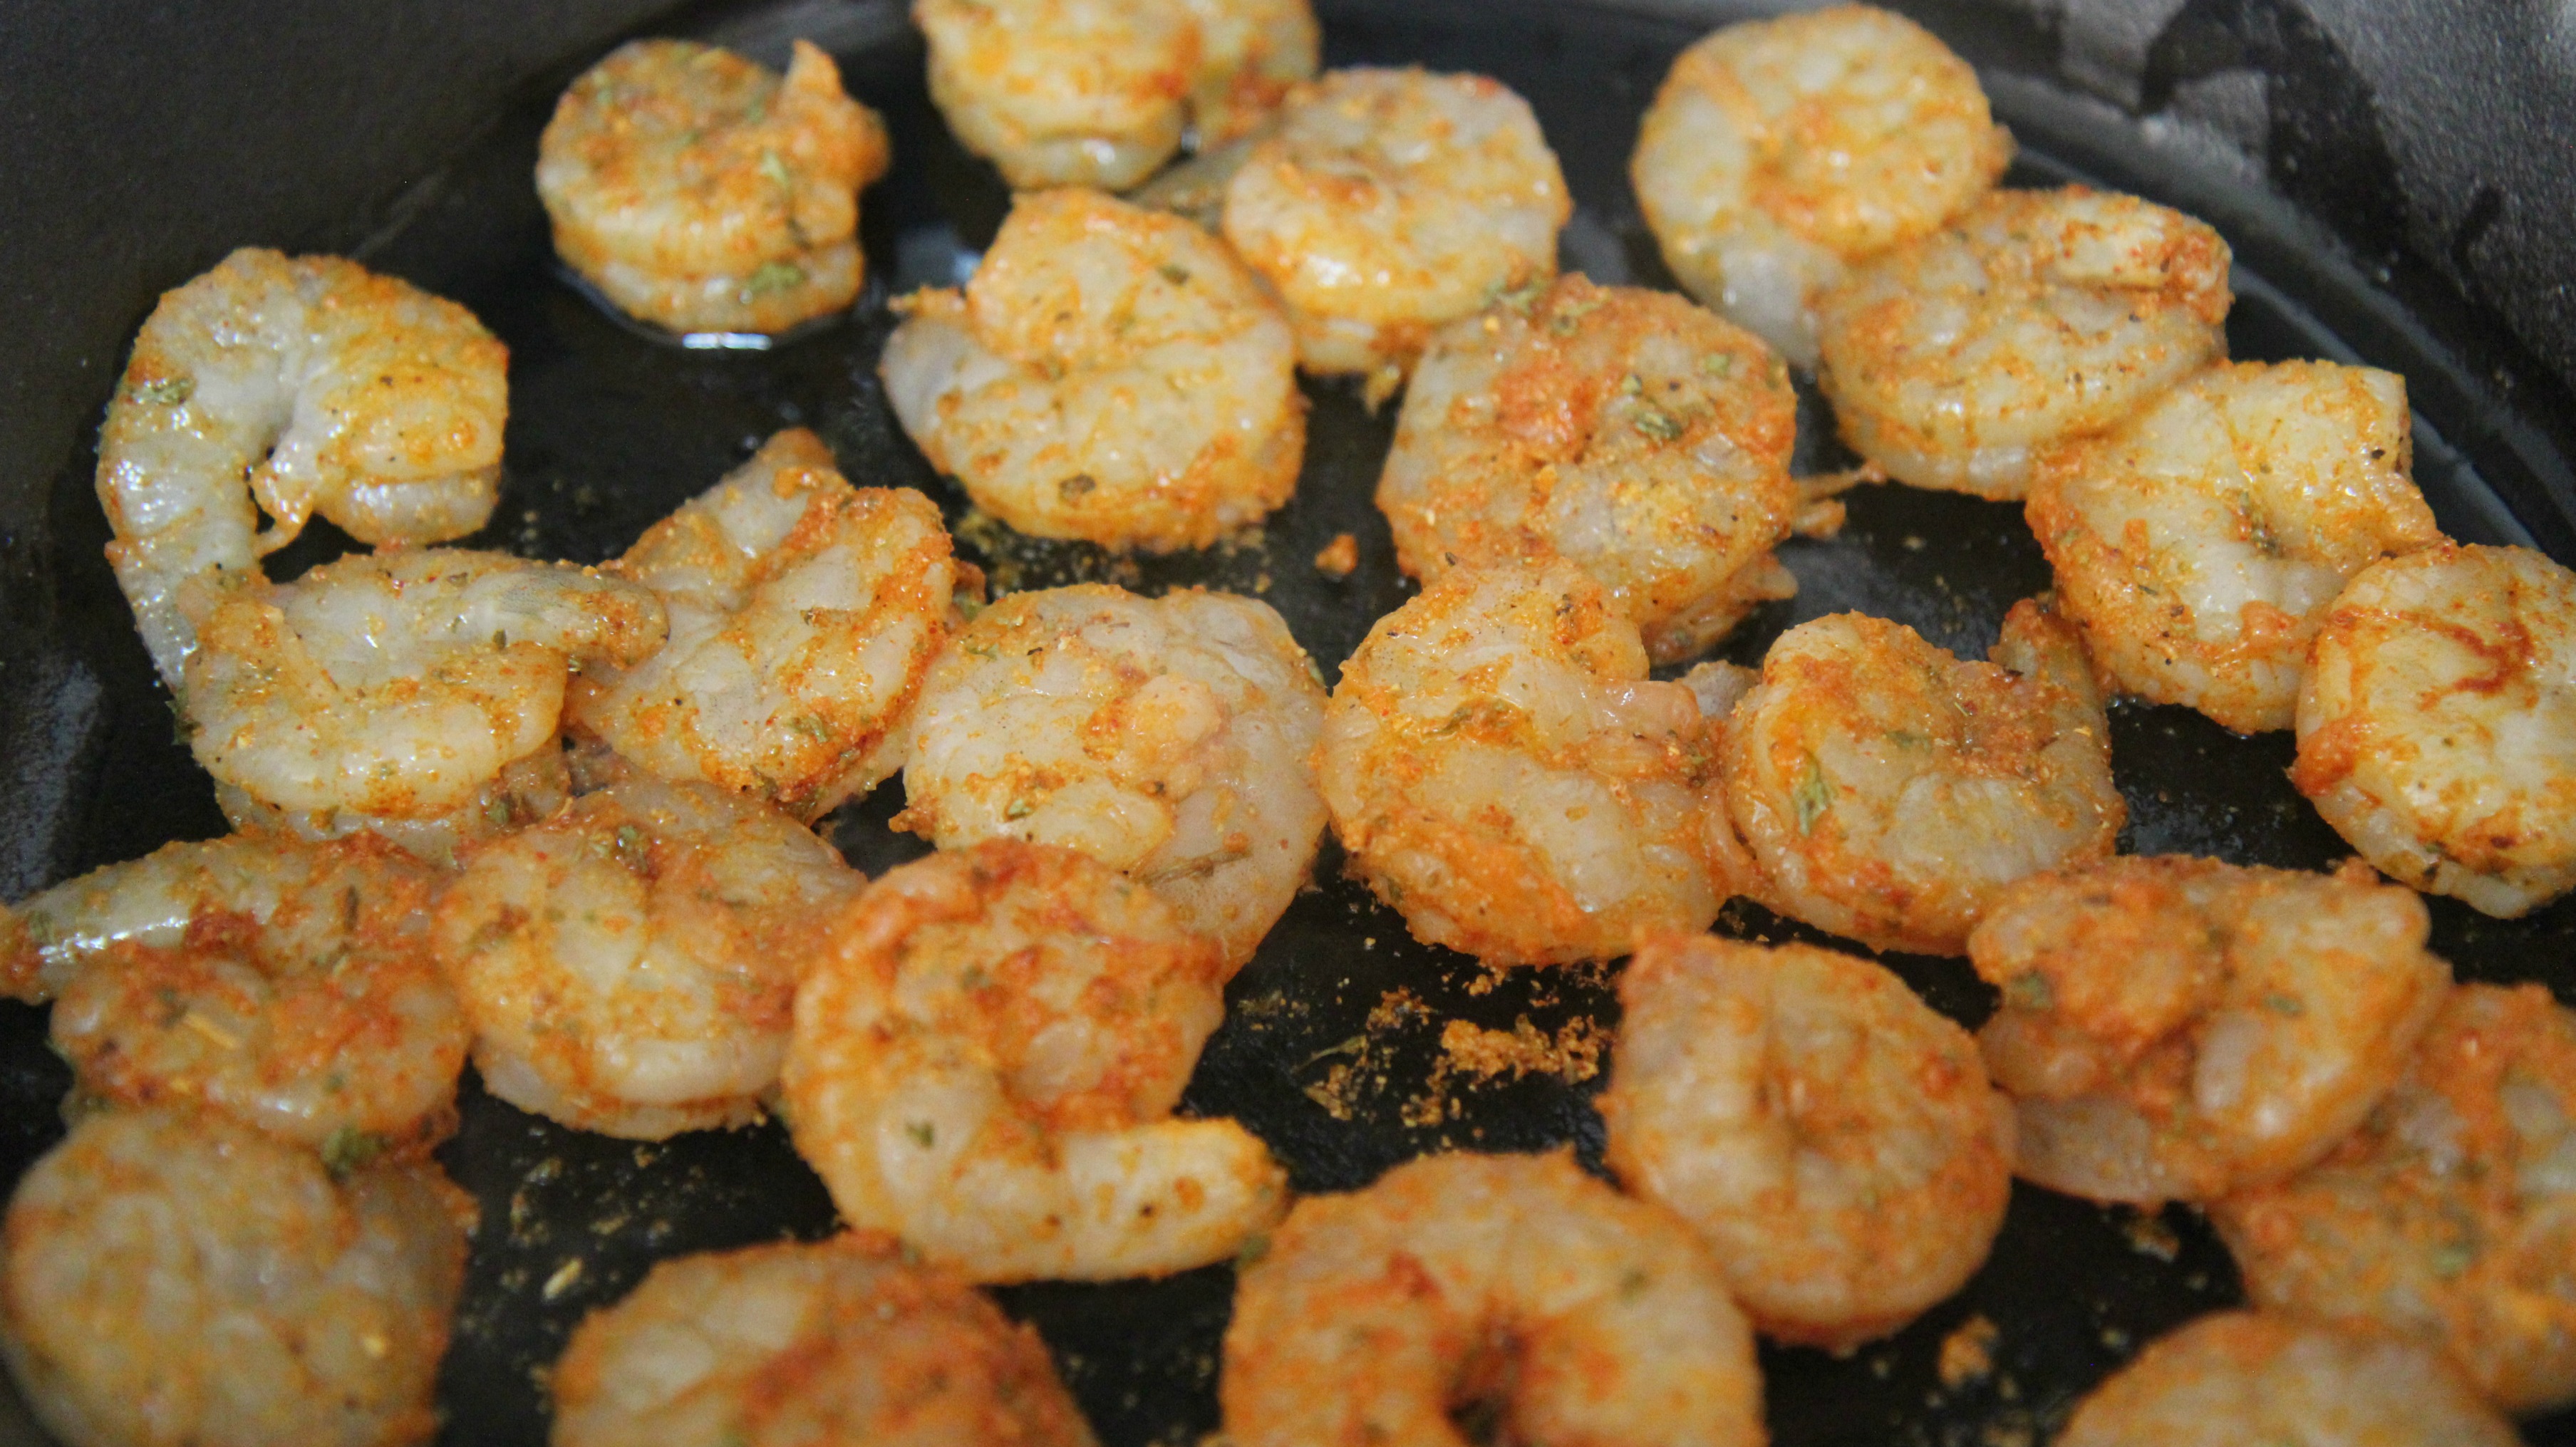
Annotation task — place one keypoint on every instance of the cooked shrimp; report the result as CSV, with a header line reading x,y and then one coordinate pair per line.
x,y
311,385
2198,543
1110,374
2177,1028
1830,1137
628,965
527,789
397,686
1781,151
986,1059
1884,790
2437,724
701,192
2449,1218
1505,776
1625,430
1250,53
1515,1289
182,1281
1388,202
2039,317
1171,738
1063,92
2241,1377
804,614
289,986
796,1344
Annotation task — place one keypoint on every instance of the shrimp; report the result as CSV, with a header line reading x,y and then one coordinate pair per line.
x,y
1171,738
289,986
794,1344
308,386
2038,317
1512,1290
1250,53
628,966
1779,152
176,1281
1831,1138
2437,723
1624,429
2175,1029
1110,374
1389,202
985,1062
1505,776
804,615
2198,543
1878,787
399,686
2238,1377
701,192
2449,1218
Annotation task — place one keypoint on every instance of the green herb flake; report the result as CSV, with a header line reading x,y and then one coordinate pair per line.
x,y
182,727
351,1149
775,169
497,813
1019,809
813,728
2290,1005
2452,1260
1718,364
1520,298
1657,423
165,391
923,1133
772,276
1080,484
631,846
1174,273
2030,990
1813,796
1254,1247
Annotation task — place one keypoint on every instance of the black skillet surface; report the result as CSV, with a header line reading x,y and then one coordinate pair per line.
x,y
1332,1048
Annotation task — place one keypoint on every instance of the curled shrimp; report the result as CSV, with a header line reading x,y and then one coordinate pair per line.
x,y
1514,1290
2236,1377
1170,738
2198,543
1832,1138
2038,317
2174,1029
1878,787
2437,723
1388,202
398,686
804,614
310,386
700,191
287,985
795,1343
2449,1218
1505,776
985,1062
1110,374
1623,429
1781,151
628,965
183,1281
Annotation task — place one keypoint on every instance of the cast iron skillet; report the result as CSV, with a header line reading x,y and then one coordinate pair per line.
x,y
1331,1050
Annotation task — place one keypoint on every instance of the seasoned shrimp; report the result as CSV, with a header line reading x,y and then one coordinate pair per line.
x,y
1781,151
2178,1028
1623,429
309,385
2449,1218
287,985
1171,738
1110,374
1505,776
1250,53
795,1344
2437,724
2198,543
628,966
804,614
699,191
2039,317
1512,1289
2241,1377
985,1063
398,686
1880,788
182,1281
1388,202
1832,1138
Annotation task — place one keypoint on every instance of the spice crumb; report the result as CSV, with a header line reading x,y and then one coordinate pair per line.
x,y
1339,557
